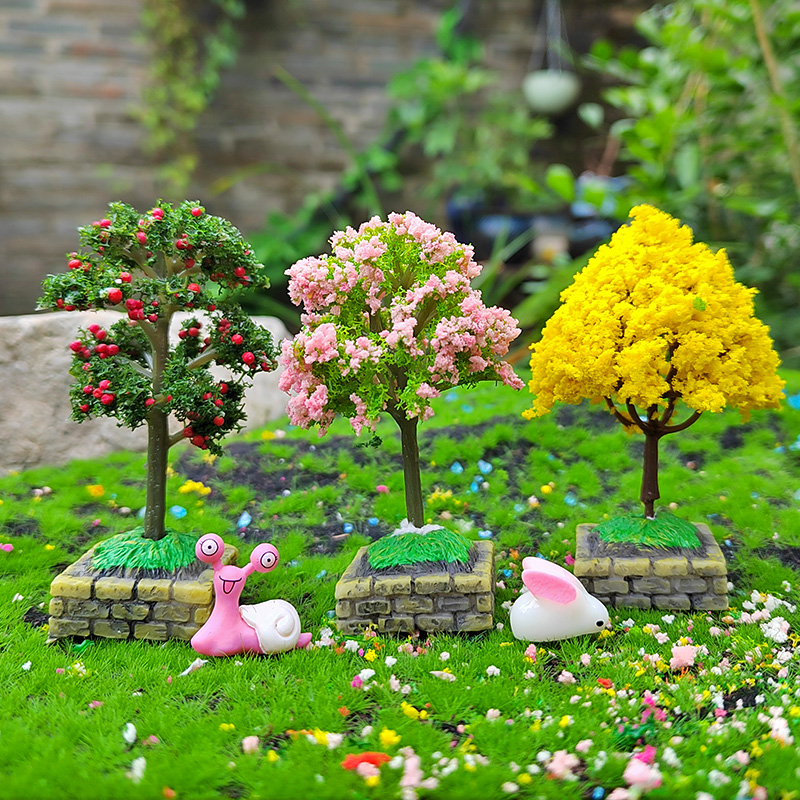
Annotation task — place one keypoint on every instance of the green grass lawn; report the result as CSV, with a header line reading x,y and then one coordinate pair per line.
x,y
590,717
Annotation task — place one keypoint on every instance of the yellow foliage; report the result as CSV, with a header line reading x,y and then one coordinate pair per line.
x,y
654,314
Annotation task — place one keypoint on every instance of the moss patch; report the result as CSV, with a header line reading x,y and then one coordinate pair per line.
x,y
666,530
131,550
412,547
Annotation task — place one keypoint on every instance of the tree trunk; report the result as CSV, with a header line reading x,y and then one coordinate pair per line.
x,y
411,473
157,440
650,491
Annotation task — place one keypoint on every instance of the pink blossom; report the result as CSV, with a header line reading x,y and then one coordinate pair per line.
x,y
382,489
530,652
96,704
620,793
647,755
250,744
357,683
566,677
562,763
583,746
493,713
643,776
682,656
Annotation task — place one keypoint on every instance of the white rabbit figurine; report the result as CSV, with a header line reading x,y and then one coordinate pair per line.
x,y
555,605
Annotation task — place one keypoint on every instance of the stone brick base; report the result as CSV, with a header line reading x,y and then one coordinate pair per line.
x,y
670,579
406,601
85,603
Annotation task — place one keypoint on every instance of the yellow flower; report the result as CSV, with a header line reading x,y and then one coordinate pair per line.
x,y
565,721
412,712
272,756
524,778
208,458
370,655
794,711
388,738
195,486
95,490
321,736
267,435
49,547
536,725
372,780
226,726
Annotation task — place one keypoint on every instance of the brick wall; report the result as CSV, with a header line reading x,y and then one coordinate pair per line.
x,y
71,70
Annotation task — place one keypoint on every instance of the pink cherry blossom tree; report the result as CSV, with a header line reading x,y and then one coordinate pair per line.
x,y
390,322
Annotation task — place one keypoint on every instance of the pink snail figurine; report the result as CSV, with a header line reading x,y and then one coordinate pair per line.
x,y
269,627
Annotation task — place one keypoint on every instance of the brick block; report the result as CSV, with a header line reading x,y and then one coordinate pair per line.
x,y
418,604
592,567
718,585
710,602
396,625
57,607
389,587
652,585
111,628
184,632
196,593
172,612
670,567
432,584
353,588
94,609
673,602
153,589
150,630
435,622
453,602
484,603
344,608
366,608
79,588
64,626
114,588
633,601
200,615
353,626
690,585
632,567
710,566
471,622
471,584
611,586
137,611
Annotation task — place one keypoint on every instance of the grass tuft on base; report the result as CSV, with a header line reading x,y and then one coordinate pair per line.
x,y
132,550
666,530
412,547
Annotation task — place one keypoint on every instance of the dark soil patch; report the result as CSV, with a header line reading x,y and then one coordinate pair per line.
x,y
21,527
733,436
747,695
788,556
35,617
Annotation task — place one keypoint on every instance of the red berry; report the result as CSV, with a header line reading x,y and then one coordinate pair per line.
x,y
97,393
132,304
196,211
188,432
223,388
125,277
113,349
193,287
198,441
207,396
153,317
104,223
75,263
218,421
69,308
104,384
101,334
218,403
193,332
84,407
86,352
237,338
211,307
169,397
88,389
141,236
181,244
114,296
94,328
240,272
181,334
149,402
157,213
75,346
265,366
107,399
59,303
248,358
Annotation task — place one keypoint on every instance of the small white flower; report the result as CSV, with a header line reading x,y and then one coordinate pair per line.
x,y
195,665
442,675
366,674
17,598
136,772
668,619
509,787
129,733
351,645
27,666
390,661
492,671
628,623
444,656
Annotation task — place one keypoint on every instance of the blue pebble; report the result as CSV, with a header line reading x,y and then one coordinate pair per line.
x,y
456,468
794,402
485,467
598,793
780,449
179,512
450,397
294,563
485,534
474,487
797,495
330,614
466,408
321,574
347,527
755,495
571,499
728,543
142,512
507,573
244,520
518,507
373,521
551,457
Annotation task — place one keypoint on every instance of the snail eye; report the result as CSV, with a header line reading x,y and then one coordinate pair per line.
x,y
209,547
268,560
599,623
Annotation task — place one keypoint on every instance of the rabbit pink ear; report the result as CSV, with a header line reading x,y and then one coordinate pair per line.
x,y
550,587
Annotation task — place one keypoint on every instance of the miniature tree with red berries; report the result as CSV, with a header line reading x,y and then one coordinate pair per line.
x,y
151,266
390,322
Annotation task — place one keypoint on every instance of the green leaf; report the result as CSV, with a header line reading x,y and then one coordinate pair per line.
x,y
561,180
687,165
592,114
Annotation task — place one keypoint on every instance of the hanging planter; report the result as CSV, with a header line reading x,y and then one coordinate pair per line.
x,y
551,87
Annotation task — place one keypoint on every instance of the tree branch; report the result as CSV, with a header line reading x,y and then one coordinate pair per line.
x,y
137,367
683,425
209,355
174,438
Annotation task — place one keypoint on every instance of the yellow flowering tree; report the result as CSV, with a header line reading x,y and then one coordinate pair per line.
x,y
654,319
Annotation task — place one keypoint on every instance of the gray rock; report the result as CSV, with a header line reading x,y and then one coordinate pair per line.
x,y
35,428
